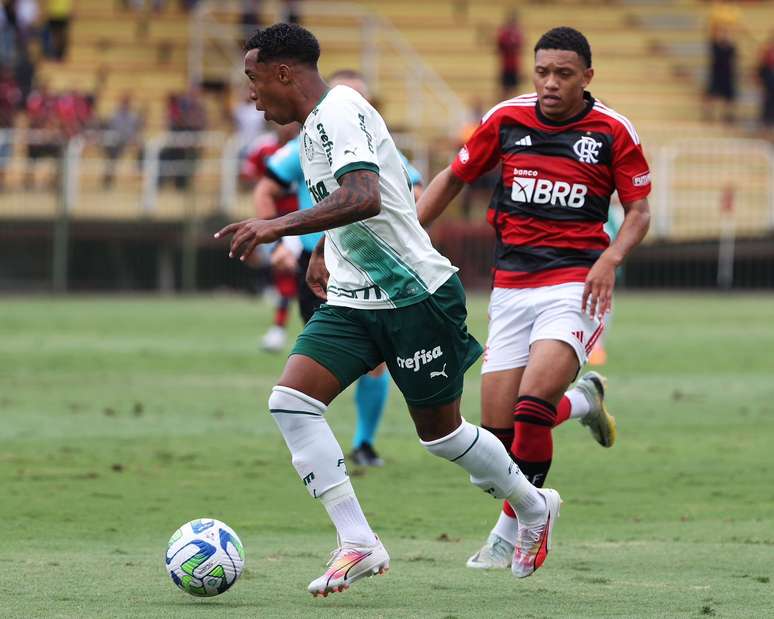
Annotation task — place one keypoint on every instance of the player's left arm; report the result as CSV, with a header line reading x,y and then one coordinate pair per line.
x,y
357,198
598,293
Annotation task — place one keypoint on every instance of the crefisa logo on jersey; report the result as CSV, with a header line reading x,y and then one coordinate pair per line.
x,y
308,148
464,155
587,149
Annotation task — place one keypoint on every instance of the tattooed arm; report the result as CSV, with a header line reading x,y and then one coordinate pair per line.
x,y
357,198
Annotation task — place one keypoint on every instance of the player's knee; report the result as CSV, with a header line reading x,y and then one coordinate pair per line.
x,y
284,399
276,400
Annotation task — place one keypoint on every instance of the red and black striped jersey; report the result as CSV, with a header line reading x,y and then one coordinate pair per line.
x,y
553,195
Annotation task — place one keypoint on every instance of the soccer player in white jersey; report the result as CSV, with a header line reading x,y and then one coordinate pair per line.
x,y
391,298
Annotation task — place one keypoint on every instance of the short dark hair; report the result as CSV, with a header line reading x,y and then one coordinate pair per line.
x,y
568,39
285,42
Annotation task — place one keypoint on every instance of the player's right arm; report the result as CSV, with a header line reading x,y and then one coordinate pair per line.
x,y
479,155
356,199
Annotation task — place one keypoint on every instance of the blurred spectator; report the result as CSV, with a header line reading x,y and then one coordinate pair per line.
x,y
44,139
7,37
10,97
74,112
124,129
250,17
23,16
509,43
17,28
290,11
724,22
765,70
139,5
58,17
187,118
24,71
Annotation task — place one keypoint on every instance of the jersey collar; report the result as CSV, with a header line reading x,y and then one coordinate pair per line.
x,y
317,105
560,123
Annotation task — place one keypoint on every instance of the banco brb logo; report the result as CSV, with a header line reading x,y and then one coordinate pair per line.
x,y
541,191
587,149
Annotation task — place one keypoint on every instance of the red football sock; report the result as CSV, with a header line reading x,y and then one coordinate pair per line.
x,y
281,313
563,410
533,446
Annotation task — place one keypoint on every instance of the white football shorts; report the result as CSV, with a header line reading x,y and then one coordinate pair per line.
x,y
520,316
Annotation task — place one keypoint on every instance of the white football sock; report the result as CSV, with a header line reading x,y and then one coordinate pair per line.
x,y
315,452
347,516
506,527
579,405
482,455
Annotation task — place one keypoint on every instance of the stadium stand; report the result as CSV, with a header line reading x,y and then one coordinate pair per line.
x,y
426,61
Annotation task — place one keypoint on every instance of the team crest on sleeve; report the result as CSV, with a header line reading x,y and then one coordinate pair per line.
x,y
308,148
587,149
464,155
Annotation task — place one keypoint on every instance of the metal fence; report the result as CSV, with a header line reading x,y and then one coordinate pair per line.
x,y
705,191
700,186
164,177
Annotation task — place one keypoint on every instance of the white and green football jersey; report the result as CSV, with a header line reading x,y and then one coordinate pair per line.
x,y
385,261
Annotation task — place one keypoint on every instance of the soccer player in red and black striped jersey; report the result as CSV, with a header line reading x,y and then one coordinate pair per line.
x,y
563,155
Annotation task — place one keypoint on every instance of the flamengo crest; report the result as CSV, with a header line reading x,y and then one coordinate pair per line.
x,y
587,149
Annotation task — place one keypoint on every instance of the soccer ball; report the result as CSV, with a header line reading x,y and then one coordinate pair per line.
x,y
204,557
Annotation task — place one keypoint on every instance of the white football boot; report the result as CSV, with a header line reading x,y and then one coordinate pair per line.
x,y
496,554
598,420
534,542
348,565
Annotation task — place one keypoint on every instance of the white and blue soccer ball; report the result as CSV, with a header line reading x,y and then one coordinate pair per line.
x,y
205,557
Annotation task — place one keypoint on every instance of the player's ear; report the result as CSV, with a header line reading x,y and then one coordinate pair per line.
x,y
588,75
284,74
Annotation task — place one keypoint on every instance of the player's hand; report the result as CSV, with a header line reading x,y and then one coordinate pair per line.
x,y
248,234
317,275
283,260
598,292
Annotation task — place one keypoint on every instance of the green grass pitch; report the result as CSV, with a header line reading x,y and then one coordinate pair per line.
x,y
122,418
